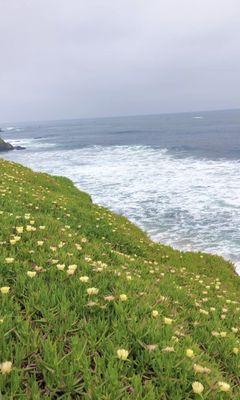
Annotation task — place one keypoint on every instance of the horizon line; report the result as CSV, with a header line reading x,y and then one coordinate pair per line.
x,y
121,116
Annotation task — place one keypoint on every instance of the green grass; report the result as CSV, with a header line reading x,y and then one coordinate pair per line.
x,y
63,342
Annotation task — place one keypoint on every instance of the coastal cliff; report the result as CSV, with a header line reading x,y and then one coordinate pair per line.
x,y
91,308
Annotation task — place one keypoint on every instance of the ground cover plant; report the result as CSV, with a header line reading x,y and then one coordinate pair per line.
x,y
91,308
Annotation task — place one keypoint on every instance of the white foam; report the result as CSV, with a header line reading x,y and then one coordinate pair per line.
x,y
31,144
10,128
189,203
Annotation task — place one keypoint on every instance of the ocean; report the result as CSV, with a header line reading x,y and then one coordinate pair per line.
x,y
177,176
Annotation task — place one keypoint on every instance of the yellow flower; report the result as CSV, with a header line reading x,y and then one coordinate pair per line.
x,y
122,354
214,333
168,349
53,248
17,238
235,350
40,242
92,291
151,347
13,241
189,353
31,274
223,334
224,387
84,279
6,367
197,387
73,267
123,297
60,267
5,289
155,313
71,271
19,229
9,260
168,321
109,298
203,311
202,370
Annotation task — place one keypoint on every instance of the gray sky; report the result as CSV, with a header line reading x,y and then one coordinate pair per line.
x,y
83,58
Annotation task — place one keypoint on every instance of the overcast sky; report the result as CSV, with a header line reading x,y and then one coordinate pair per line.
x,y
86,58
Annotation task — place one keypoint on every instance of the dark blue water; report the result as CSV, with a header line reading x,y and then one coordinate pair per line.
x,y
176,175
207,134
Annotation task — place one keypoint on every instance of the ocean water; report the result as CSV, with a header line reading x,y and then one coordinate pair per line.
x,y
176,175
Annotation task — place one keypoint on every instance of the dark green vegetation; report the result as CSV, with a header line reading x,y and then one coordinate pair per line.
x,y
5,146
176,314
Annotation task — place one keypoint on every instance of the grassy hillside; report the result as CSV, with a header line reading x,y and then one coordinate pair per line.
x,y
92,309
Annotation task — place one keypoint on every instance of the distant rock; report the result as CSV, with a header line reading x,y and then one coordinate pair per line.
x,y
4,146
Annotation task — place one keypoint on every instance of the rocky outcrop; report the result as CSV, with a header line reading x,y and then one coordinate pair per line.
x,y
4,146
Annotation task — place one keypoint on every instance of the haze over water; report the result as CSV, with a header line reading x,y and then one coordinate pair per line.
x,y
175,175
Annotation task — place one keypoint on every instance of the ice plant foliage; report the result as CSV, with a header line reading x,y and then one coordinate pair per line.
x,y
91,308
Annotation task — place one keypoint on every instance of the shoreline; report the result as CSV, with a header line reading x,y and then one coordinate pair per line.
x,y
236,264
